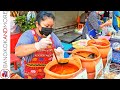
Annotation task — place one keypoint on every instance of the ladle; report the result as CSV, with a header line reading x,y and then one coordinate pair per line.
x,y
62,63
91,56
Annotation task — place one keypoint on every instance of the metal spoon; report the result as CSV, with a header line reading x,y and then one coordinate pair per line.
x,y
91,56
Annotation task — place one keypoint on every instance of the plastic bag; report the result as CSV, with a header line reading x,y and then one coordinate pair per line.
x,y
60,56
107,29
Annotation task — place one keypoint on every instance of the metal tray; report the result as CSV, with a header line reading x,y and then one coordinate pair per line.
x,y
69,37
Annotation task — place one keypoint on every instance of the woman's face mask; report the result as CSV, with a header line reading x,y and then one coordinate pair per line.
x,y
45,31
46,26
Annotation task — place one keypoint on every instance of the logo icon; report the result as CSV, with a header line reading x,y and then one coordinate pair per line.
x,y
5,74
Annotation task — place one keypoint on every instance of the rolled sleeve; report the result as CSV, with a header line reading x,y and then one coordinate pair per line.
x,y
25,38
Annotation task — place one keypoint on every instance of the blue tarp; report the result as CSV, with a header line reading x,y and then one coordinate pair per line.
x,y
66,48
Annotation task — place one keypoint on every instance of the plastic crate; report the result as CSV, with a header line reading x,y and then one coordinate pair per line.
x,y
115,54
112,40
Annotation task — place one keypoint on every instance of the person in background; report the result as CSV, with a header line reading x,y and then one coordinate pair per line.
x,y
106,16
116,20
110,14
36,47
93,25
83,17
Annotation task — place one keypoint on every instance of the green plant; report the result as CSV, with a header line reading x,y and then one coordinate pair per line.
x,y
22,22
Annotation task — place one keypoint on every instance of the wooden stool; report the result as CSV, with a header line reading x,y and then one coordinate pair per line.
x,y
14,59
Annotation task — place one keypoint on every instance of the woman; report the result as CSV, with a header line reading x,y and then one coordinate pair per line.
x,y
35,49
93,24
83,17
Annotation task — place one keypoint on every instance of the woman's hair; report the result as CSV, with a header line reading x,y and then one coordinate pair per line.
x,y
42,14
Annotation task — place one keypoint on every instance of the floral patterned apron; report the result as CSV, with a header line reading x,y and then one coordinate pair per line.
x,y
35,68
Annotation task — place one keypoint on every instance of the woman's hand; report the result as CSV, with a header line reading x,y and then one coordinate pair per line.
x,y
108,23
43,43
59,51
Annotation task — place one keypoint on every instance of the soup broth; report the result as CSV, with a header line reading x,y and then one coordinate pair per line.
x,y
87,55
64,69
100,43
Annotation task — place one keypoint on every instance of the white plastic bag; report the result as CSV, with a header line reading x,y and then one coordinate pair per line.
x,y
60,56
107,29
87,37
